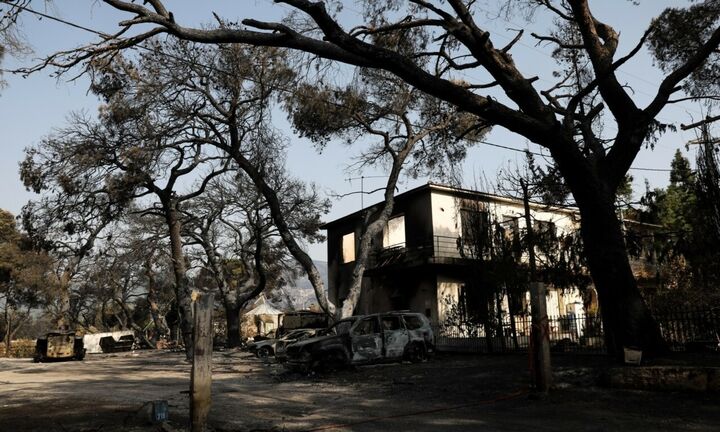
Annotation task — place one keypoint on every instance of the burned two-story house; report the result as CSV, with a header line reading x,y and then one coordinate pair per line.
x,y
425,260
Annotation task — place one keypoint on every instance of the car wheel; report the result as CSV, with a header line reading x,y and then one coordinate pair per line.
x,y
264,352
80,355
415,353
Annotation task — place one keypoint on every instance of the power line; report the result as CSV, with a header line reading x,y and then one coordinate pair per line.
x,y
284,90
53,18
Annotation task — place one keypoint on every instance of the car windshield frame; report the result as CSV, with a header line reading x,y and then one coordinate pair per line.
x,y
295,334
346,322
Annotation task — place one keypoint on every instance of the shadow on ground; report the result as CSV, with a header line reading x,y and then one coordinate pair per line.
x,y
447,393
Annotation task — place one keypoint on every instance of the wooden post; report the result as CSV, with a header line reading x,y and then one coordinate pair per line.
x,y
540,352
541,338
201,378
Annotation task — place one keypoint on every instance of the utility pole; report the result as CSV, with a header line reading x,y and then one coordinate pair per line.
x,y
540,341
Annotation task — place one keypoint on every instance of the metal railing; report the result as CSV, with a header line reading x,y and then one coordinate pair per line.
x,y
420,249
684,331
579,333
691,329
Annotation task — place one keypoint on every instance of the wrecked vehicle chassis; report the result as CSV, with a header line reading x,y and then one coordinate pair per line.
x,y
377,338
59,346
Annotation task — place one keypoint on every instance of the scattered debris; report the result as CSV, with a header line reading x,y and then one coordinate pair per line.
x,y
108,342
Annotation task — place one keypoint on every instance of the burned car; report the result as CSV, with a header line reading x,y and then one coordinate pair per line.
x,y
289,339
59,345
384,337
268,347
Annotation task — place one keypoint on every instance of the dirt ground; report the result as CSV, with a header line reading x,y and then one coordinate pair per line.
x,y
448,393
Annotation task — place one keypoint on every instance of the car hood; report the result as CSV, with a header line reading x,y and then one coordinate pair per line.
x,y
314,340
263,343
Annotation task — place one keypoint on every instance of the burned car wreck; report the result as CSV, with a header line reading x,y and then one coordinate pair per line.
x,y
383,337
59,345
276,346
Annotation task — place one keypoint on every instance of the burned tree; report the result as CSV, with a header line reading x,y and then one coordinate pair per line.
x,y
131,152
243,251
225,93
561,118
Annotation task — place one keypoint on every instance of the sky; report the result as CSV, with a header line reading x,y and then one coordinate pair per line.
x,y
31,107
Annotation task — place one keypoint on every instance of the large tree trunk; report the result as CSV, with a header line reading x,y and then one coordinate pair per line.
x,y
161,328
232,319
182,291
228,293
281,224
7,337
375,224
376,227
627,321
626,318
63,318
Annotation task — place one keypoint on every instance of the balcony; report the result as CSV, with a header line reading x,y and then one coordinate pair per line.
x,y
436,250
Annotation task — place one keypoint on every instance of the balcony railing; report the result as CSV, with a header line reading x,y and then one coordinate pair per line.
x,y
420,250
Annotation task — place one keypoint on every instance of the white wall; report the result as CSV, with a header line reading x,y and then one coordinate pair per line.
x,y
447,288
447,222
445,215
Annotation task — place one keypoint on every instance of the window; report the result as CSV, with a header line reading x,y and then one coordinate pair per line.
x,y
413,322
394,232
341,327
348,248
511,227
367,326
475,232
390,323
545,231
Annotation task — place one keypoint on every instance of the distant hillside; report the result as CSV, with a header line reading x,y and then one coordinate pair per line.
x,y
300,292
304,283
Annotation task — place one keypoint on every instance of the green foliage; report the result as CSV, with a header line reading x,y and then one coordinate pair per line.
x,y
677,35
680,171
381,112
687,246
548,183
8,227
320,113
25,277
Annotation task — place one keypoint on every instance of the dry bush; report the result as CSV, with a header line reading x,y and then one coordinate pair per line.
x,y
21,348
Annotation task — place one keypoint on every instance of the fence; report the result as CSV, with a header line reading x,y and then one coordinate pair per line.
x,y
696,330
690,330
568,333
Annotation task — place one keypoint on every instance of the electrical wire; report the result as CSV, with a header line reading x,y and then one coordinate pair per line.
x,y
284,90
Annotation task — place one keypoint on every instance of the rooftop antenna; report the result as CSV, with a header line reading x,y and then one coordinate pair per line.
x,y
362,188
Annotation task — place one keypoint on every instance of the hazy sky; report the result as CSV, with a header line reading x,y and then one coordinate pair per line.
x,y
31,107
